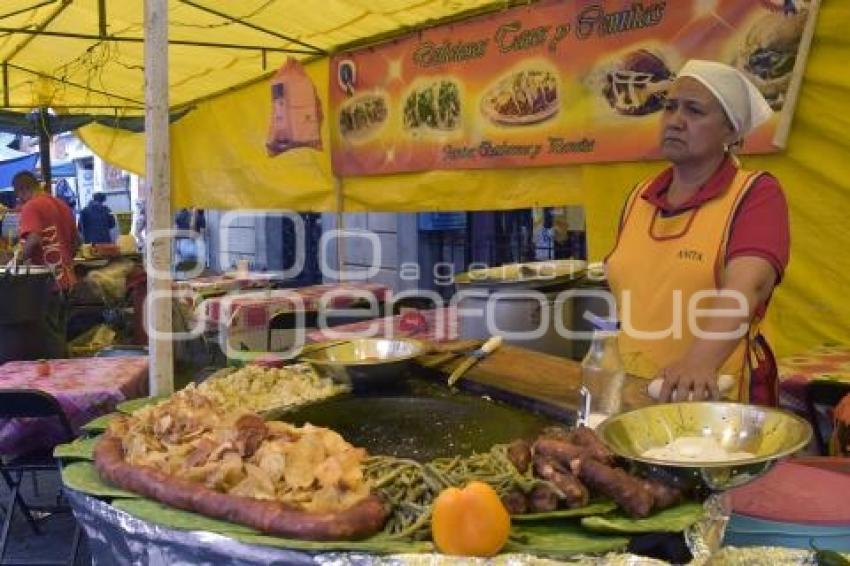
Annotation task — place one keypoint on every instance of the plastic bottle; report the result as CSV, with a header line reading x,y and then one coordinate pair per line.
x,y
602,374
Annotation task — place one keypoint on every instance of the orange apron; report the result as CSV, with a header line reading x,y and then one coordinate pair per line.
x,y
660,263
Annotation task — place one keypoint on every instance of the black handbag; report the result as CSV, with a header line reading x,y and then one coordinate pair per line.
x,y
24,293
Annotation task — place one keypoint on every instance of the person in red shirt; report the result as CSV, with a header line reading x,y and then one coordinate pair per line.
x,y
49,237
708,237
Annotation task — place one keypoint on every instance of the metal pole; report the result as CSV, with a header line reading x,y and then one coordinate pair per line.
x,y
248,24
158,178
72,84
125,39
340,225
5,85
44,147
101,18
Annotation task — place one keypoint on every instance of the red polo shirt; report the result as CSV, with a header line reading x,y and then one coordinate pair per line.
x,y
760,227
51,218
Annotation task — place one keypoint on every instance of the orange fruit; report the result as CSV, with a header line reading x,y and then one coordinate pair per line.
x,y
470,521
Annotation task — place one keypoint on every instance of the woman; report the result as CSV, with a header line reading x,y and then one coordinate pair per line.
x,y
703,235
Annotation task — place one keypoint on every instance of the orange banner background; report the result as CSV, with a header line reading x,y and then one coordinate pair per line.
x,y
478,94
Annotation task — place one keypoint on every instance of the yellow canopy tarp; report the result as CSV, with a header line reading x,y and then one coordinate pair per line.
x,y
84,54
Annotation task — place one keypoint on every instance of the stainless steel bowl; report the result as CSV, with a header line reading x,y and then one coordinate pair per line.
x,y
770,434
365,362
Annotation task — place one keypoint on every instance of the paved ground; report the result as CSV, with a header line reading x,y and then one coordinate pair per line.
x,y
54,543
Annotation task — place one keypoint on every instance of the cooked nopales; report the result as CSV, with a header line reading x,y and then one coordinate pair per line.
x,y
560,474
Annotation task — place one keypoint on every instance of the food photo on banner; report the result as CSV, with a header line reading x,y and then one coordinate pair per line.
x,y
558,83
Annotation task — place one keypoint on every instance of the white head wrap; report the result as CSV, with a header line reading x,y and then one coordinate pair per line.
x,y
743,103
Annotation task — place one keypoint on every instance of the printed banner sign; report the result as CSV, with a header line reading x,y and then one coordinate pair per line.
x,y
556,82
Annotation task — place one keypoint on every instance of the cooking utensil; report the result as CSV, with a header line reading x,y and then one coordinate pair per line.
x,y
421,426
769,434
474,357
365,362
439,354
12,266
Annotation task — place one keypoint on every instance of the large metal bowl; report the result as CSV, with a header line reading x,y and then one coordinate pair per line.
x,y
769,434
365,362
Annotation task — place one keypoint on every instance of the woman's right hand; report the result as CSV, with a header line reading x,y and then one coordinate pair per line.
x,y
686,379
725,383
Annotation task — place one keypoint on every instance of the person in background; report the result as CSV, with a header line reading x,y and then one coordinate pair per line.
x,y
97,221
140,225
544,237
186,252
64,191
8,200
702,226
5,243
48,237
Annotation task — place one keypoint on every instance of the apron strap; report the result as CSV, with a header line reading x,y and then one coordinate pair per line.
x,y
764,373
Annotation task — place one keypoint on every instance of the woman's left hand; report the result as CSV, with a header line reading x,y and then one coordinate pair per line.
x,y
684,377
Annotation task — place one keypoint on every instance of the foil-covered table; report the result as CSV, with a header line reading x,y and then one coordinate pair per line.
x,y
116,538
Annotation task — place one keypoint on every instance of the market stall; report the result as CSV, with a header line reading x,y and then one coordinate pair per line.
x,y
496,405
301,179
259,397
813,145
305,179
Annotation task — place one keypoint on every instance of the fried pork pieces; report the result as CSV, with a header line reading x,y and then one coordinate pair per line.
x,y
309,468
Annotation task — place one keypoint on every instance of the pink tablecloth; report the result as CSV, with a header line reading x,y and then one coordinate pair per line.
x,y
437,325
831,362
85,387
256,309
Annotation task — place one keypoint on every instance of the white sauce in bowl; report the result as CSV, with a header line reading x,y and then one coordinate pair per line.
x,y
695,449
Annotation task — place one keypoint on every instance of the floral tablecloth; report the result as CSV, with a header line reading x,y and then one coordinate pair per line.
x,y
254,310
830,362
85,388
435,325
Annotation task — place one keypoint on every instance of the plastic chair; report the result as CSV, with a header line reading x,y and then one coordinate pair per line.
x,y
30,403
826,393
